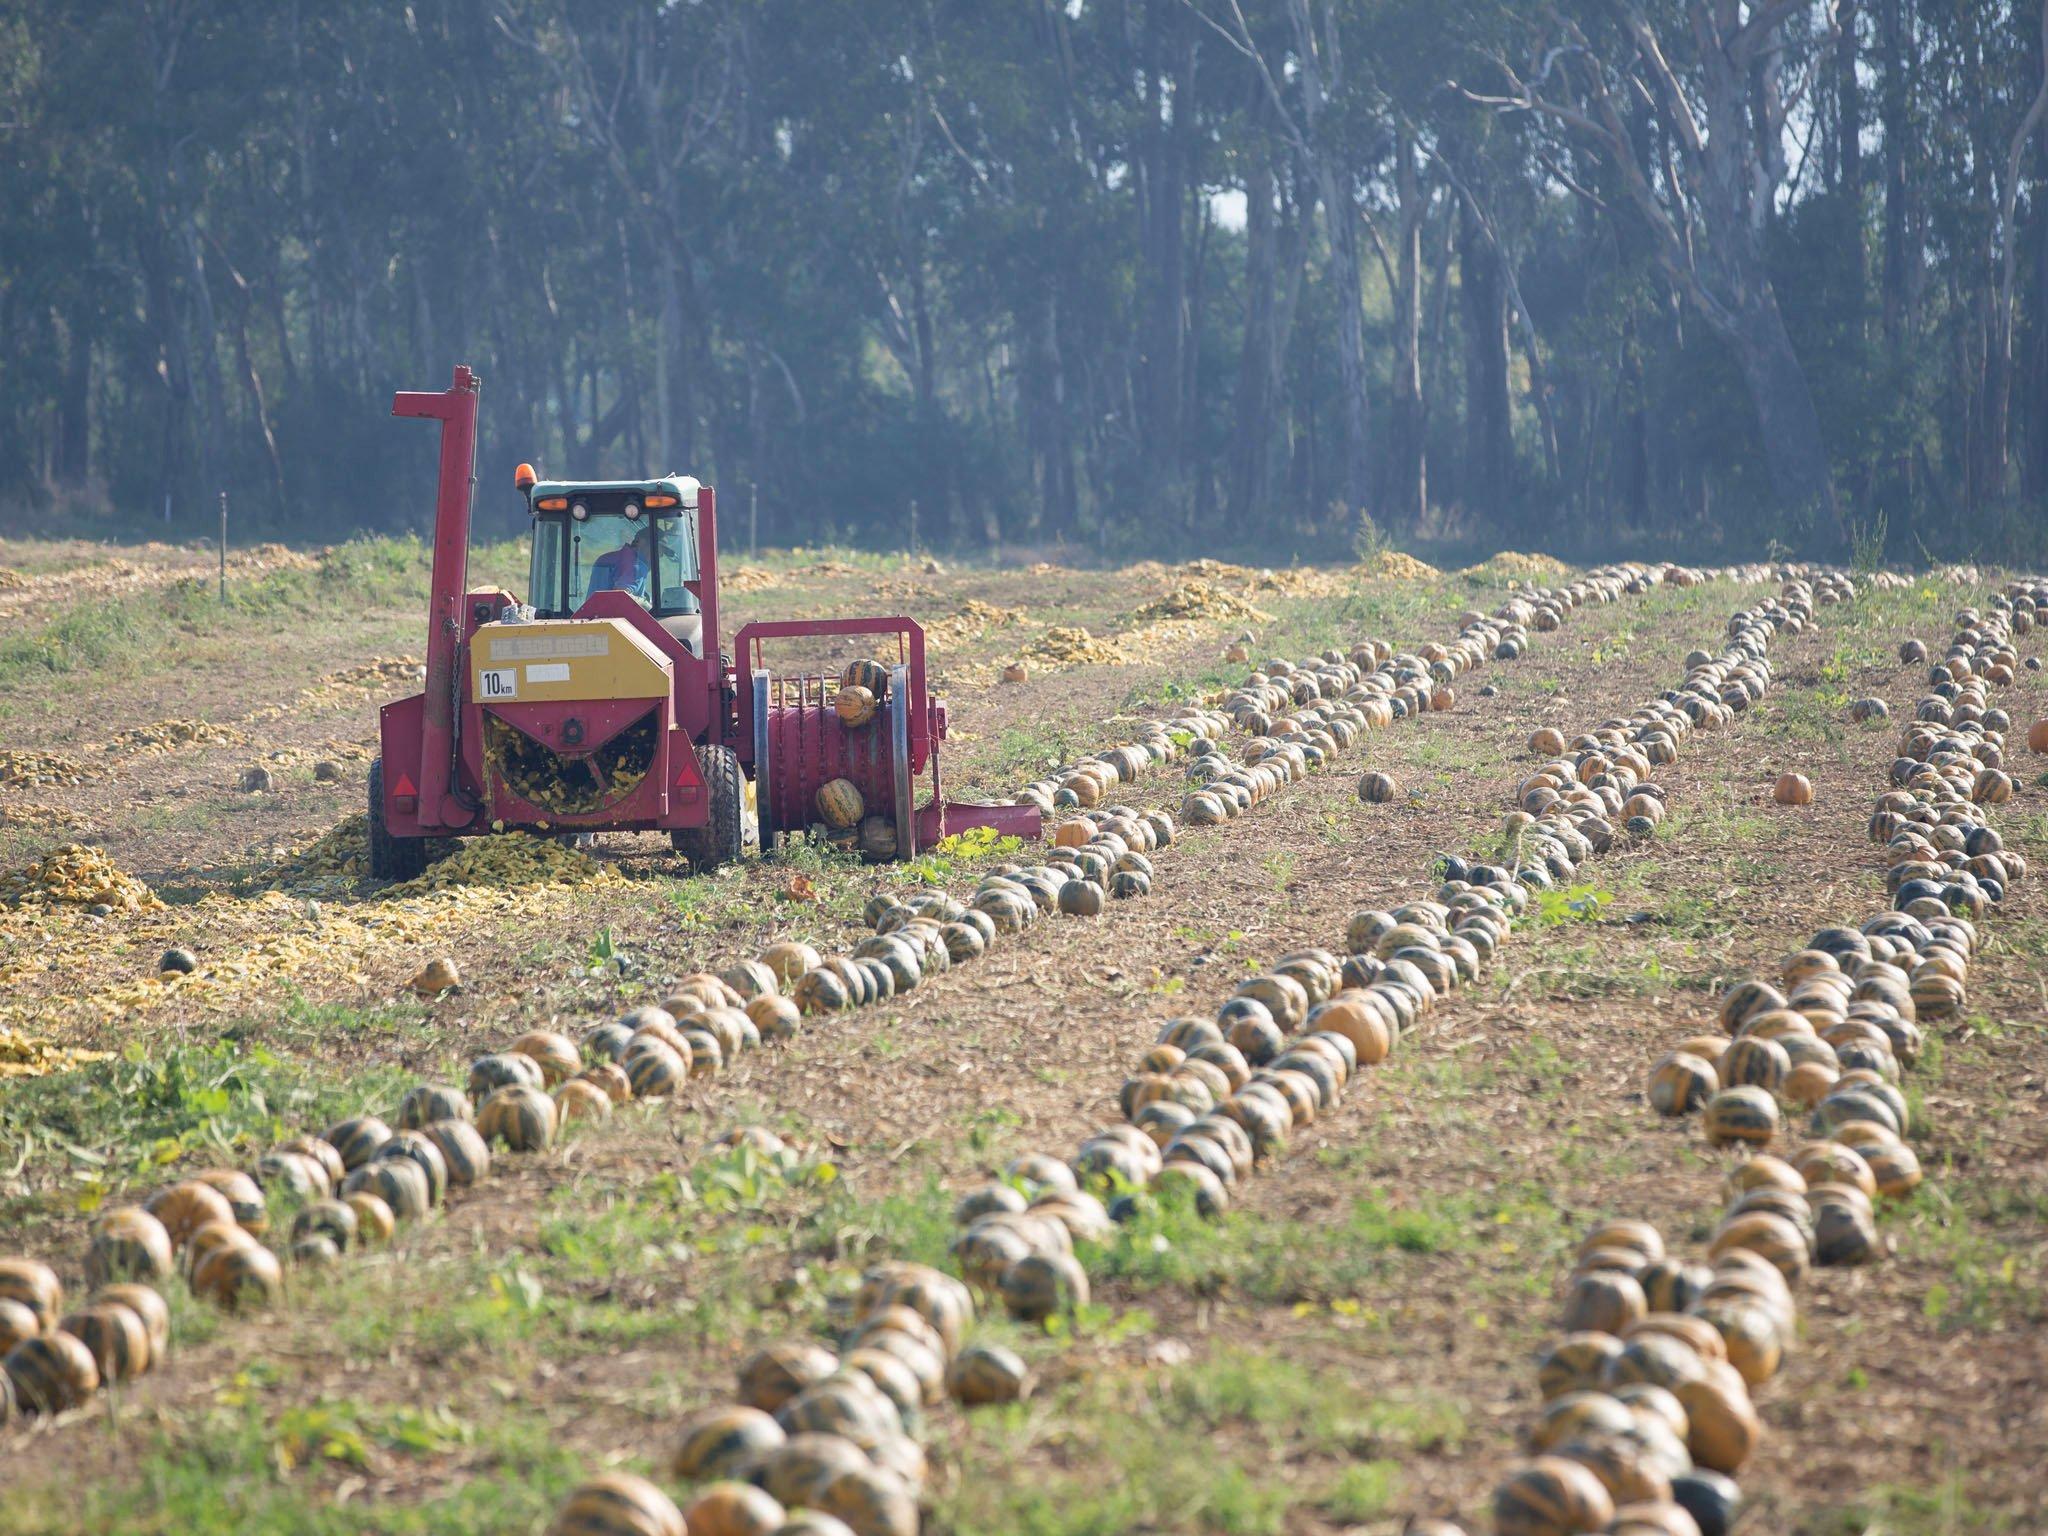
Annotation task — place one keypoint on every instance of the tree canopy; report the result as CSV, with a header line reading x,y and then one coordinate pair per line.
x,y
1166,276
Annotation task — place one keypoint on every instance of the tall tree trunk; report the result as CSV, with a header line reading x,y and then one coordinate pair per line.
x,y
1849,134
1896,110
1252,410
1407,502
1346,276
1489,419
1165,148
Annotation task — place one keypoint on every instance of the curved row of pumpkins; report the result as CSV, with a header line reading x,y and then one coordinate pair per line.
x,y
1647,1413
1214,1099
351,1186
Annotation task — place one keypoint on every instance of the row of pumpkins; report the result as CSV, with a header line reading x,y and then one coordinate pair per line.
x,y
353,1185
1323,702
1214,1099
1647,1412
817,1441
1301,715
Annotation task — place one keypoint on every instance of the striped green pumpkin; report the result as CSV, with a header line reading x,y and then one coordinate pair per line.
x,y
519,1115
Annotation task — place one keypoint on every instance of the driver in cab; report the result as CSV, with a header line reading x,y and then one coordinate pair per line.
x,y
627,568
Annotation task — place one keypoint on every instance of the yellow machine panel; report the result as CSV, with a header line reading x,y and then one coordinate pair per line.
x,y
565,661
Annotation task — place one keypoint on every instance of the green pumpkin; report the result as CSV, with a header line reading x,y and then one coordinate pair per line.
x,y
52,1373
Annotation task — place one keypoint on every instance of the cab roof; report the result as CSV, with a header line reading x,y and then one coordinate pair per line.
x,y
683,487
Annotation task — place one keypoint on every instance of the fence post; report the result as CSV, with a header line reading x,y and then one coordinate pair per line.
x,y
223,546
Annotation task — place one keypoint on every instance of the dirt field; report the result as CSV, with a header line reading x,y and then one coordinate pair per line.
x,y
1351,1345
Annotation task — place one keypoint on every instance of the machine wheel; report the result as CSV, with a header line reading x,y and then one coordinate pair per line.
x,y
391,858
722,838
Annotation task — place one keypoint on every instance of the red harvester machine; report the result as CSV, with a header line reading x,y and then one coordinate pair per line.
x,y
605,703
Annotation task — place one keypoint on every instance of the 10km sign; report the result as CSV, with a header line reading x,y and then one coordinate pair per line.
x,y
498,683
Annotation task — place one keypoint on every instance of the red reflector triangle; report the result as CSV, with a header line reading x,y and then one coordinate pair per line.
x,y
404,786
683,774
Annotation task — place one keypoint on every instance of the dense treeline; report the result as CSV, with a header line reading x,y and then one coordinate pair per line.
x,y
1128,274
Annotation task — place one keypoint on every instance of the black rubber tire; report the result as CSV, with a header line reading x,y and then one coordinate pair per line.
x,y
391,858
722,839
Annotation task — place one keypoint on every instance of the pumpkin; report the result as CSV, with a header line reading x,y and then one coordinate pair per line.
x,y
840,805
618,1504
1575,1414
1756,1061
772,1376
1547,742
1682,1083
2037,736
186,1207
128,1244
578,1100
356,1141
1082,898
1654,1357
1793,789
500,1069
1741,1115
1627,1468
244,1197
521,1116
52,1372
146,1303
988,1373
891,1377
1895,1168
1016,672
1603,1302
321,1152
871,1501
1654,1405
1375,788
1754,1342
375,1220
1576,1363
1843,1232
400,1183
813,1522
1036,1172
723,1441
656,1070
1759,1172
821,991
555,1054
1551,1497
427,1103
116,1338
866,673
425,1154
1722,1426
1652,1517
798,1471
733,1509
1042,1284
464,1152
855,706
234,1277
332,1219
1669,1286
1711,1499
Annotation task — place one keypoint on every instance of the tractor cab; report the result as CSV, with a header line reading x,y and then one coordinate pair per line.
x,y
638,537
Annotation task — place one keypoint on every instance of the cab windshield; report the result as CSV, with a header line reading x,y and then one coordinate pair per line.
x,y
649,559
